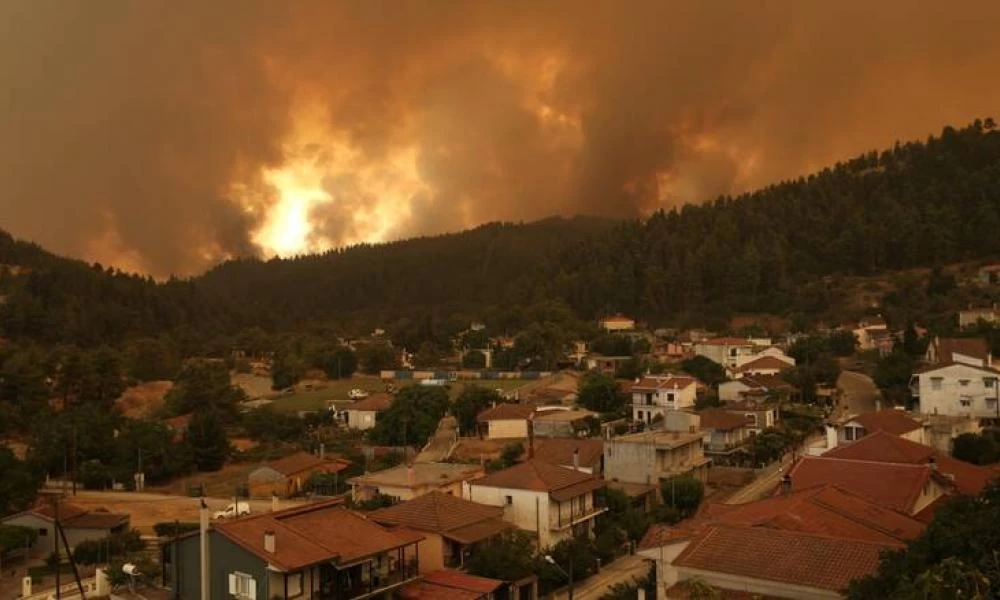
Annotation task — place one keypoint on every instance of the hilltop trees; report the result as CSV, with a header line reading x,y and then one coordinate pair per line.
x,y
18,486
203,384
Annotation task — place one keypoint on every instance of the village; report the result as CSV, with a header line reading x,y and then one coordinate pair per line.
x,y
687,461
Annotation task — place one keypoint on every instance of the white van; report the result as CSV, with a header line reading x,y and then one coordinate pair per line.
x,y
232,511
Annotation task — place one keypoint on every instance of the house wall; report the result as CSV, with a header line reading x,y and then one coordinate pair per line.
x,y
666,573
931,492
431,550
743,359
361,419
45,544
724,354
508,428
527,510
629,462
730,390
75,536
941,391
403,493
225,557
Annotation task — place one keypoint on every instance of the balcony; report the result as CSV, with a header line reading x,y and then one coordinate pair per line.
x,y
350,584
559,521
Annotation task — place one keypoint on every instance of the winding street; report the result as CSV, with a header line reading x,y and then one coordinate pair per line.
x,y
859,394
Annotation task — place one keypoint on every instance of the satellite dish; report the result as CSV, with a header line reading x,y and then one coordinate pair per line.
x,y
130,569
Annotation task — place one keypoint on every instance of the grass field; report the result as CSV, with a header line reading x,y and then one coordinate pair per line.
x,y
337,391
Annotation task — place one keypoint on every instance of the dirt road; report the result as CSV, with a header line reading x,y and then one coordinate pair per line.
x,y
859,394
440,445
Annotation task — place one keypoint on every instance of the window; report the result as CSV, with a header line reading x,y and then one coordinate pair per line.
x,y
242,586
294,585
508,500
936,383
963,382
670,397
989,382
965,401
43,532
732,352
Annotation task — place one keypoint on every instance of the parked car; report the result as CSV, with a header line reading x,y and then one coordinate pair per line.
x,y
357,394
233,510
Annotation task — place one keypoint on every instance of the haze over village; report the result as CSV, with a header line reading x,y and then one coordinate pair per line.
x,y
499,300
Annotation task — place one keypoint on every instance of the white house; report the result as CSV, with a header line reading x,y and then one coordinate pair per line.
x,y
726,351
968,351
553,502
654,395
873,333
969,318
763,365
506,420
617,323
773,351
956,389
362,414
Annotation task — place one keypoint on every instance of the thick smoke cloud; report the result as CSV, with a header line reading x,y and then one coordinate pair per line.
x,y
147,134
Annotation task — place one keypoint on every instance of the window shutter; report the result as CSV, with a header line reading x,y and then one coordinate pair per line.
x,y
232,585
252,590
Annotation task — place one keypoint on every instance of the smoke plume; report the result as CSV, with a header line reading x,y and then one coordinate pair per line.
x,y
165,135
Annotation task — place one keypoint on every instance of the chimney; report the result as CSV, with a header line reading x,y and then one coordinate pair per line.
x,y
531,438
576,459
411,475
274,502
786,483
932,463
269,541
322,451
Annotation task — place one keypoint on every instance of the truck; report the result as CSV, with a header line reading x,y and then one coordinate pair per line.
x,y
233,510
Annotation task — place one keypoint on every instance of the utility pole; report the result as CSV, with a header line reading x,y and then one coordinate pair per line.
x,y
73,460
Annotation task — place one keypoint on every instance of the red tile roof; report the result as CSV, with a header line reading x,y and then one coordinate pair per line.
x,y
764,362
932,368
67,510
463,581
805,559
311,534
665,382
973,347
450,585
535,475
892,421
303,461
882,446
727,341
373,403
897,486
436,512
559,451
507,411
720,419
770,382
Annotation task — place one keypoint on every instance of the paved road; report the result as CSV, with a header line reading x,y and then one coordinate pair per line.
x,y
762,485
859,393
440,445
624,569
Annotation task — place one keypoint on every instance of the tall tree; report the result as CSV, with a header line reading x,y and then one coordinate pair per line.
x,y
208,440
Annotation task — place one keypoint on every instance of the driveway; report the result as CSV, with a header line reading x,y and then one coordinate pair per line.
x,y
439,447
859,394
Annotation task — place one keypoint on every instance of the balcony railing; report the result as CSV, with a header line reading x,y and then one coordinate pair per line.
x,y
563,520
377,584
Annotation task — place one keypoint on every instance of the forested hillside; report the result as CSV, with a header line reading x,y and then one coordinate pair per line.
x,y
916,204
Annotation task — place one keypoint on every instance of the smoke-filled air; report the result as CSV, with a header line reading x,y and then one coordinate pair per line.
x,y
164,136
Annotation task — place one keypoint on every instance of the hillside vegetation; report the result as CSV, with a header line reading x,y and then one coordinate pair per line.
x,y
918,204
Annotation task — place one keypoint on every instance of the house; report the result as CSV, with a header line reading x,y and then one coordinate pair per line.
x,y
989,274
957,389
968,351
768,351
892,421
452,585
972,316
78,523
800,544
884,446
764,365
651,456
286,476
362,414
506,420
178,425
617,322
759,412
582,454
451,526
317,550
553,502
727,351
872,333
654,395
605,364
562,421
406,482
940,431
725,432
906,488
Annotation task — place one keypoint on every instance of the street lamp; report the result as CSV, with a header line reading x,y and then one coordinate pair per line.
x,y
569,575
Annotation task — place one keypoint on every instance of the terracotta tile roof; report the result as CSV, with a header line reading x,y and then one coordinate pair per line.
x,y
932,368
665,382
423,474
507,411
539,476
451,585
892,421
311,534
559,451
784,556
973,347
617,318
764,362
463,581
96,520
770,382
423,590
67,511
436,512
882,446
303,461
476,532
897,486
723,420
373,403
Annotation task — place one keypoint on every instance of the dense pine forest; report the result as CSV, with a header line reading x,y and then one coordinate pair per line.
x,y
917,204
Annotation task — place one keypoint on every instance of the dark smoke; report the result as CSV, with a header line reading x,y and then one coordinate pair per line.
x,y
136,132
